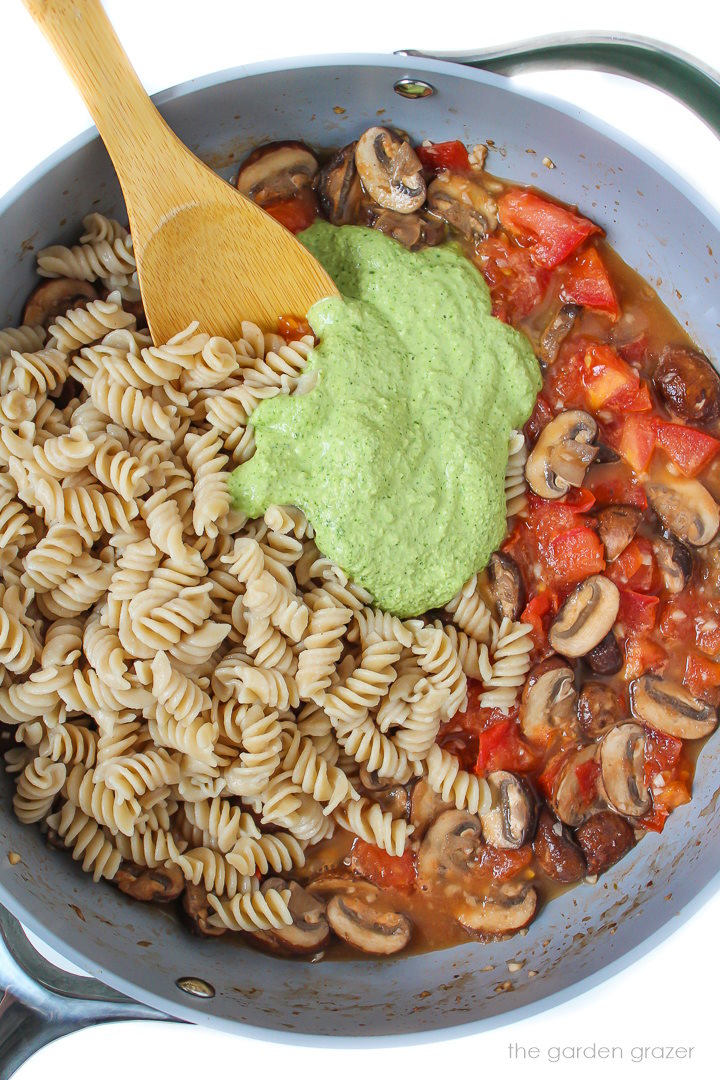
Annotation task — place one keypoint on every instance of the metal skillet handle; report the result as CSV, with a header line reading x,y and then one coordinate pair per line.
x,y
41,1003
663,66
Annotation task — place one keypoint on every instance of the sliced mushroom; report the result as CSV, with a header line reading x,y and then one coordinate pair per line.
x,y
159,884
510,821
275,171
688,384
450,846
339,189
562,454
604,839
686,508
413,231
586,617
464,204
617,526
622,765
506,585
425,806
675,562
309,931
605,658
573,801
198,911
556,852
512,907
599,708
556,331
381,933
667,706
392,798
390,170
548,699
55,297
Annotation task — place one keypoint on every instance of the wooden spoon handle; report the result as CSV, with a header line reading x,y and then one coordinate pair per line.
x,y
132,129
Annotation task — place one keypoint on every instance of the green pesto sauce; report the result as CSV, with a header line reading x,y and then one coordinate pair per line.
x,y
398,454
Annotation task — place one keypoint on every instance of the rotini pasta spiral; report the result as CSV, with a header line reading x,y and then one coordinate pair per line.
x,y
87,841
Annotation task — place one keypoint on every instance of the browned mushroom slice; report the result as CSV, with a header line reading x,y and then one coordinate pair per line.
x,y
413,231
599,708
392,798
345,885
55,297
562,454
605,658
511,908
159,884
573,801
556,852
548,699
451,845
425,806
390,170
667,706
604,839
339,189
686,508
688,384
380,933
586,617
616,527
275,171
510,821
198,911
309,931
464,204
506,585
556,331
675,562
622,765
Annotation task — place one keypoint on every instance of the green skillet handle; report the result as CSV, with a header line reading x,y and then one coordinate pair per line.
x,y
653,62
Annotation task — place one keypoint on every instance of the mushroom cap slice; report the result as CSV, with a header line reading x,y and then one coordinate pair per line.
x,y
506,585
464,204
309,931
364,927
392,798
450,846
198,911
276,170
339,189
425,806
688,384
668,707
599,708
675,562
390,170
686,508
604,839
605,658
571,802
413,231
548,699
622,765
586,617
510,821
617,526
556,331
555,850
509,910
562,454
53,298
159,884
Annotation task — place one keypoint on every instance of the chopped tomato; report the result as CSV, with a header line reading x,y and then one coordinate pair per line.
x,y
564,382
517,286
661,752
553,232
539,613
612,488
677,617
634,351
638,613
613,384
546,779
642,654
296,213
547,518
635,567
667,775
390,871
445,155
674,793
580,499
293,328
637,442
688,448
502,747
702,678
587,775
587,282
540,417
576,554
501,864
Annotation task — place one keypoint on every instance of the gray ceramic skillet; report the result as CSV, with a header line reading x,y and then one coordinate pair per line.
x,y
142,964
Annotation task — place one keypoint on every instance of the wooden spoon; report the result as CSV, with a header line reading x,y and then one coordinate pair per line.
x,y
203,250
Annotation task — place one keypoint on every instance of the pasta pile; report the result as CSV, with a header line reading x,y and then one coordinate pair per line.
x,y
186,686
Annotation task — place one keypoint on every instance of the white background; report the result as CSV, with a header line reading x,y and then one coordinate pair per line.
x,y
669,997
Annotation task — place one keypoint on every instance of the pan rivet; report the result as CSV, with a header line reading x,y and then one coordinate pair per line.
x,y
414,88
198,987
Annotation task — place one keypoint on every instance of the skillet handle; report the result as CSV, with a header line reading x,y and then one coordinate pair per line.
x,y
656,63
41,1003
